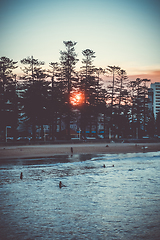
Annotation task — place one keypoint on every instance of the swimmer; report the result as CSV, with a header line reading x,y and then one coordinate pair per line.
x,y
104,165
61,185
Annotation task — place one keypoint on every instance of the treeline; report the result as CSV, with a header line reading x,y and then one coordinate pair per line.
x,y
43,97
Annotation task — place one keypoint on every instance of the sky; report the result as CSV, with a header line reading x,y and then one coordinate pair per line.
x,y
123,33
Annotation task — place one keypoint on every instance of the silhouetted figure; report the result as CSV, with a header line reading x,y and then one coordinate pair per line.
x,y
21,176
131,169
113,165
61,185
71,151
104,165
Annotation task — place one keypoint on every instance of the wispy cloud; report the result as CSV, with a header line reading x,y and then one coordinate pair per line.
x,y
153,75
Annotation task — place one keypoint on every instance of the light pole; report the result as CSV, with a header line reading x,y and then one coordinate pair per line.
x,y
6,131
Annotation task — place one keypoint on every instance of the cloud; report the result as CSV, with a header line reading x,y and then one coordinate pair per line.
x,y
153,75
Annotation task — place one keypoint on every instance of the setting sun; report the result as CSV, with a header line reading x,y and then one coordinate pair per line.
x,y
77,98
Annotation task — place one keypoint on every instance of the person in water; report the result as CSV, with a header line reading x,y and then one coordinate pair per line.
x,y
21,176
61,185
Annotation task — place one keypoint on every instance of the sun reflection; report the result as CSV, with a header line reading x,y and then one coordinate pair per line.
x,y
76,98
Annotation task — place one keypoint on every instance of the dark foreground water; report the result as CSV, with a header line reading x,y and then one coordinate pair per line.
x,y
120,202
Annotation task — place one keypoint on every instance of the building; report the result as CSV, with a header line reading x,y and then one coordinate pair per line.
x,y
154,96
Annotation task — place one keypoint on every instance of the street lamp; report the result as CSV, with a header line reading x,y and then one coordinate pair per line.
x,y
6,131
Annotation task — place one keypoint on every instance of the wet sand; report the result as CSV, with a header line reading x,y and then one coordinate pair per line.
x,y
33,151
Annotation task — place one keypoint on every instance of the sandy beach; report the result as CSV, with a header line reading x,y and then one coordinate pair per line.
x,y
33,151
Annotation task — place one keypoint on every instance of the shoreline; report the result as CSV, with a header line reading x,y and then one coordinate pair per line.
x,y
42,151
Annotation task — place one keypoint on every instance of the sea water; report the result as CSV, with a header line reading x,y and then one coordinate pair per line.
x,y
118,201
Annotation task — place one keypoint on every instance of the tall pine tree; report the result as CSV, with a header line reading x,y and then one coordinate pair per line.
x,y
8,96
68,60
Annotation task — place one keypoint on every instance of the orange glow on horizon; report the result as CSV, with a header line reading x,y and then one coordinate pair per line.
x,y
77,98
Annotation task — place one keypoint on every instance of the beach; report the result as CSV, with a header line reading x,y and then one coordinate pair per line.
x,y
33,151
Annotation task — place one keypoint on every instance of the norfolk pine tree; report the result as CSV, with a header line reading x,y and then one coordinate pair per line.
x,y
68,60
87,82
32,96
113,70
53,104
8,96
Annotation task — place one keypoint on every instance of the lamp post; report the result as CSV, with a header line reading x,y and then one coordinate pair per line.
x,y
6,131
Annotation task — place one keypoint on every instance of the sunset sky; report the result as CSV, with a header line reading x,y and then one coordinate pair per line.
x,y
124,33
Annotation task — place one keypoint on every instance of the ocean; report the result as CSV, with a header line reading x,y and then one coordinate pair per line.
x,y
118,201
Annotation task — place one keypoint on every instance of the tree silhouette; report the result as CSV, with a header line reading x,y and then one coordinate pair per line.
x,y
139,105
68,60
32,68
113,70
33,91
121,102
53,73
45,98
87,83
34,104
8,96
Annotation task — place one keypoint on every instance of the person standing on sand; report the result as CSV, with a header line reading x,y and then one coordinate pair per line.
x,y
71,151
